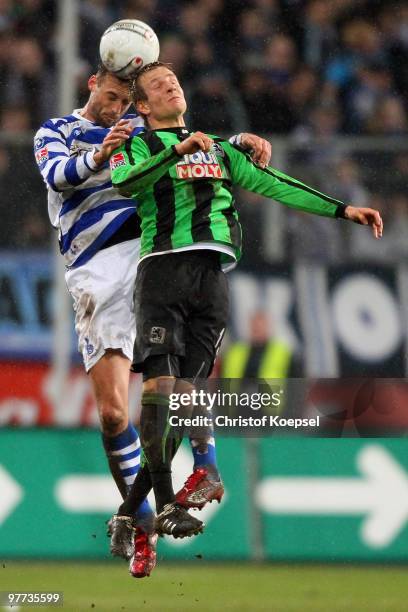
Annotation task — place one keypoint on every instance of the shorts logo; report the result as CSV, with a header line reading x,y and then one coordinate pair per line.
x,y
89,347
117,160
157,335
199,165
42,156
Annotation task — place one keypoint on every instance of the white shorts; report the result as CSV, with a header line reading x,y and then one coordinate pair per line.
x,y
102,291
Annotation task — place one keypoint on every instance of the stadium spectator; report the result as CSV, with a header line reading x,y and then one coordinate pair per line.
x,y
394,249
253,31
144,10
261,362
16,181
267,112
28,79
319,34
174,50
96,16
373,84
215,106
280,60
317,137
302,244
346,182
262,355
389,118
302,93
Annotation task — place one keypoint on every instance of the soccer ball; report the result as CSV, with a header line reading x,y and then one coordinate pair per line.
x,y
128,45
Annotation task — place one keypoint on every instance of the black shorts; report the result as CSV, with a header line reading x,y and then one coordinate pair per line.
x,y
181,308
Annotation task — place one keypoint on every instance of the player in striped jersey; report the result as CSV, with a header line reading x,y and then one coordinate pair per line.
x,y
190,232
99,239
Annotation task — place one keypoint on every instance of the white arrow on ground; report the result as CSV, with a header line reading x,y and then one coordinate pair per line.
x,y
381,494
11,494
88,493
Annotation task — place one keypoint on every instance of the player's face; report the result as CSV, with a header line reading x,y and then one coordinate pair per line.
x,y
165,97
109,99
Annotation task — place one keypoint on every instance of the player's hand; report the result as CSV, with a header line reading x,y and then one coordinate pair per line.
x,y
195,142
366,216
114,139
261,149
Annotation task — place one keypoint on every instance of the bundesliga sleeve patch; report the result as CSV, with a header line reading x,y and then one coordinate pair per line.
x,y
42,156
117,160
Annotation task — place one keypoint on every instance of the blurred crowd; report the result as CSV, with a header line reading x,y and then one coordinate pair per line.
x,y
312,70
272,66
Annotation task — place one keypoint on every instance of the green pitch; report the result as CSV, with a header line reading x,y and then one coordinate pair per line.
x,y
198,586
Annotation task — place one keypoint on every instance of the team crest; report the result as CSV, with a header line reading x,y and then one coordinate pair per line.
x,y
218,150
39,143
157,335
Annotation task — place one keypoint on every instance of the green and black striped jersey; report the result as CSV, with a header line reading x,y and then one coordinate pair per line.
x,y
187,202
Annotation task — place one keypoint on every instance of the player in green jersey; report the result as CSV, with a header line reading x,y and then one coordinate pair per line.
x,y
190,234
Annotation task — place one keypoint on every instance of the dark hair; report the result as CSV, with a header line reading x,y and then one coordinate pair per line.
x,y
137,92
102,72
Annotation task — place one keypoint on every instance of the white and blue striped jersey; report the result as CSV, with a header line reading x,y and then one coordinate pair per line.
x,y
82,204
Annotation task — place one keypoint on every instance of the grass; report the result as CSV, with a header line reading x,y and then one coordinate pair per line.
x,y
236,587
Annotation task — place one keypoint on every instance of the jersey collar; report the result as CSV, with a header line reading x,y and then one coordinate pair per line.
x,y
183,131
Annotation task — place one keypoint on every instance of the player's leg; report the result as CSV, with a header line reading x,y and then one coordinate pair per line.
x,y
160,443
102,291
135,540
204,336
110,382
160,298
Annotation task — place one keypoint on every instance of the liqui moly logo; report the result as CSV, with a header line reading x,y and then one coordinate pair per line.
x,y
199,165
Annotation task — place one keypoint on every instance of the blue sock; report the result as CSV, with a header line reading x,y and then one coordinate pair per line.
x,y
204,453
125,448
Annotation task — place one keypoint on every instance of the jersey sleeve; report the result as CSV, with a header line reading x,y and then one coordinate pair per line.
x,y
60,171
276,185
134,169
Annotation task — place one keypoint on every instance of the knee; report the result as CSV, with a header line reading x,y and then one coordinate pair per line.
x,y
113,414
161,384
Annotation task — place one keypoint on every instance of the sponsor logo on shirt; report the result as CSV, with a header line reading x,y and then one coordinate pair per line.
x,y
42,155
117,160
199,165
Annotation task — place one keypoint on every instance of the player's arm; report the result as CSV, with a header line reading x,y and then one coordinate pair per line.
x,y
134,169
58,169
293,193
62,171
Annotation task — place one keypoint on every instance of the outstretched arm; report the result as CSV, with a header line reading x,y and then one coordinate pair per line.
x,y
288,191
